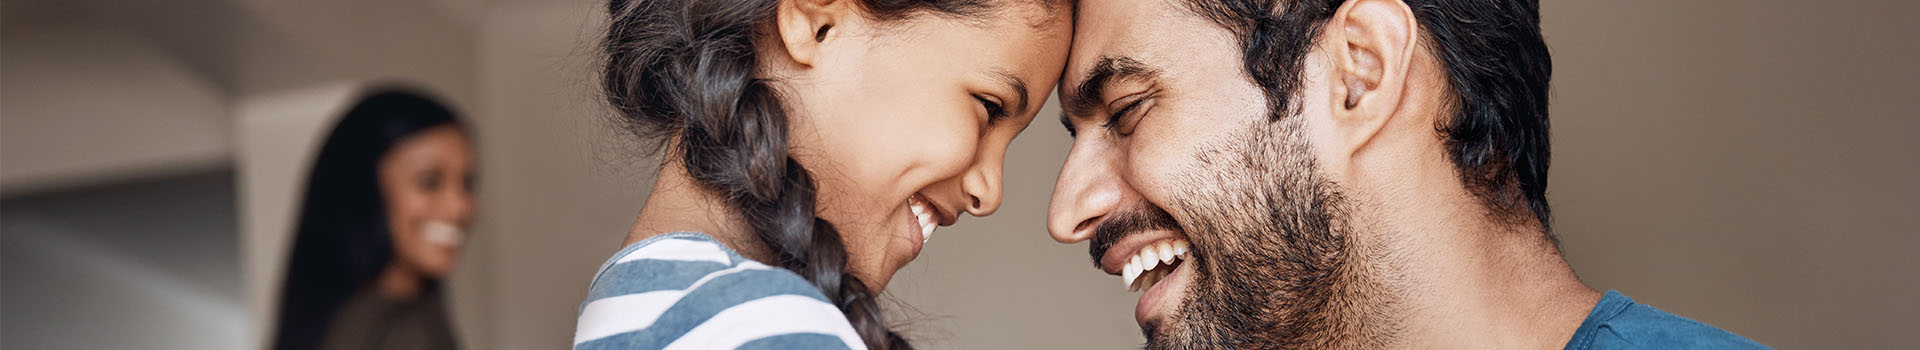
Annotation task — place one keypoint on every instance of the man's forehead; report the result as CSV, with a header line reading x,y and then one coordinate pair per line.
x,y
1098,26
1108,29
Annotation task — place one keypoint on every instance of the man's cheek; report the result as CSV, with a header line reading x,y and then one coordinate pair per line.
x,y
1159,168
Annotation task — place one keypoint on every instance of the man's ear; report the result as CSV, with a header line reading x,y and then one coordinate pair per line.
x,y
1372,44
805,25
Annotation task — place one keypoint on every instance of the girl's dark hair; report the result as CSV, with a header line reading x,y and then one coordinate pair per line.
x,y
343,242
684,71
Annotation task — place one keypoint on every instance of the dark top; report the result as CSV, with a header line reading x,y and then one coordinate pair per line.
x,y
369,321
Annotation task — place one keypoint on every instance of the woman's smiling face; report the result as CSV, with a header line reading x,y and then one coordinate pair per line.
x,y
905,125
426,182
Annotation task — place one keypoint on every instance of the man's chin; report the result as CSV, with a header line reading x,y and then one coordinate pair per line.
x,y
1159,312
1160,335
1161,301
1173,334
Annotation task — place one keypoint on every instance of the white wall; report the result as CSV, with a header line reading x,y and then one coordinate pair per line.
x,y
97,252
83,102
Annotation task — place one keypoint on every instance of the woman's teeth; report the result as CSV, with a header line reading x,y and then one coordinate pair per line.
x,y
442,234
923,212
1141,273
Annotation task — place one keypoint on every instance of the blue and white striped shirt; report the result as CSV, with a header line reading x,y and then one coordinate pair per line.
x,y
687,291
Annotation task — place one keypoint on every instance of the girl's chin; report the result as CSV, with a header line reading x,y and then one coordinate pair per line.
x,y
904,248
914,242
899,253
877,282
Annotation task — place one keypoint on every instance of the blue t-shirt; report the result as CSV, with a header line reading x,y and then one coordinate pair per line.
x,y
688,291
1619,323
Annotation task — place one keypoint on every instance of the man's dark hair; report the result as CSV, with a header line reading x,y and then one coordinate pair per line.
x,y
1497,67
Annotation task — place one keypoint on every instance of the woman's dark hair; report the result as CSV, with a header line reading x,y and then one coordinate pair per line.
x,y
683,71
343,242
1498,70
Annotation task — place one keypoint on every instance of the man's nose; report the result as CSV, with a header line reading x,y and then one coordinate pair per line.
x,y
1089,188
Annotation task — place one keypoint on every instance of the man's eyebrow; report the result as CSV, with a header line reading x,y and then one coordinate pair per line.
x,y
1085,97
1019,87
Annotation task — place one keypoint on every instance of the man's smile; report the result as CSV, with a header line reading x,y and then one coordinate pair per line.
x,y
1145,247
1153,262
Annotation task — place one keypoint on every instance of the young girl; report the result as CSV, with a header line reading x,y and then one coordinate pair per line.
x,y
810,148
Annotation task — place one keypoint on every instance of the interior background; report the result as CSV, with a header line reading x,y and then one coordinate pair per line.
x,y
1750,164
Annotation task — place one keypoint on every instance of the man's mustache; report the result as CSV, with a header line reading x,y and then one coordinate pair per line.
x,y
1124,222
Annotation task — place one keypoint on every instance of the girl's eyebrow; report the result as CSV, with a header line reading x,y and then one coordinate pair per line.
x,y
1018,85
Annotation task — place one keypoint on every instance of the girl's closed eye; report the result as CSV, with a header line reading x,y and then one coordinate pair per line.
x,y
994,109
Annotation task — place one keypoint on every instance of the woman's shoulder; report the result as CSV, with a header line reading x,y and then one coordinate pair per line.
x,y
687,289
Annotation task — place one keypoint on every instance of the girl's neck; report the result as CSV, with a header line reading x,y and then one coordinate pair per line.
x,y
680,204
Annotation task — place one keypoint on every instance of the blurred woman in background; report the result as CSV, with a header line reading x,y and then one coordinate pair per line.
x,y
387,207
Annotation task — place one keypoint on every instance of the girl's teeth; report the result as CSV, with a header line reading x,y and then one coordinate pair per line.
x,y
926,231
925,215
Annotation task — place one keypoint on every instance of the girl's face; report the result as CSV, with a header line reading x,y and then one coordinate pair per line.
x,y
906,120
427,183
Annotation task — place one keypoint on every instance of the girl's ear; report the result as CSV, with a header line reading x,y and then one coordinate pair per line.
x,y
806,25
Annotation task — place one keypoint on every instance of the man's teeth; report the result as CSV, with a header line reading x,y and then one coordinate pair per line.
x,y
924,212
1141,273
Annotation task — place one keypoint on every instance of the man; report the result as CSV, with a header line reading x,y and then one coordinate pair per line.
x,y
1330,174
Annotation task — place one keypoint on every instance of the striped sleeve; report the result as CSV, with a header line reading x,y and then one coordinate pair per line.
x,y
687,291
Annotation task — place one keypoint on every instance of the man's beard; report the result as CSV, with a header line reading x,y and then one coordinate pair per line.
x,y
1278,267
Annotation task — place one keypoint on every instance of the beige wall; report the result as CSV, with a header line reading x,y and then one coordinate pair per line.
x,y
1751,164
557,193
1748,164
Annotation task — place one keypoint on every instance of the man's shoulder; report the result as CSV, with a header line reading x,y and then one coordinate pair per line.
x,y
1645,327
1619,323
